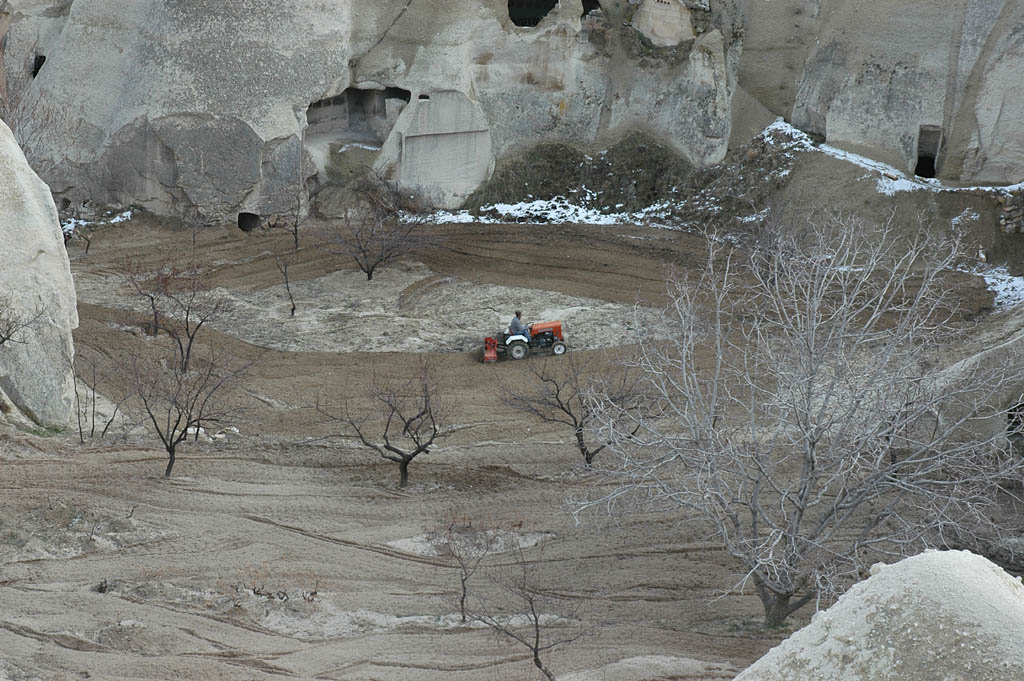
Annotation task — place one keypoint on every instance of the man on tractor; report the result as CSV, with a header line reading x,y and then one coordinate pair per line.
x,y
516,326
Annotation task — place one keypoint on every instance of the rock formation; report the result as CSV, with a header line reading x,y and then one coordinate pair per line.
x,y
209,110
937,615
36,290
930,89
212,110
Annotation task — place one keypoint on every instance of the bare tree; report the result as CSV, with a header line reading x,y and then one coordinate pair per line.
x,y
801,410
378,229
181,301
151,283
515,604
191,303
559,392
405,417
284,261
300,195
467,546
12,323
177,403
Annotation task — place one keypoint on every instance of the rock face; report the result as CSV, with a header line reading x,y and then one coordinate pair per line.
x,y
35,287
937,615
931,89
212,109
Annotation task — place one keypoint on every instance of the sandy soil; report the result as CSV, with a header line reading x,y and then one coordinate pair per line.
x,y
281,552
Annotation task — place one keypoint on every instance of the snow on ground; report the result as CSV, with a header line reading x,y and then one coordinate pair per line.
x,y
584,207
71,224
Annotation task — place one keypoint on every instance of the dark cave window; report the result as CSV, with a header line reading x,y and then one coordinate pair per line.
x,y
397,93
529,12
929,146
424,96
38,64
590,6
248,221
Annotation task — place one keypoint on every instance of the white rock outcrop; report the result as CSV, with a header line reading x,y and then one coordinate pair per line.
x,y
937,615
36,287
207,109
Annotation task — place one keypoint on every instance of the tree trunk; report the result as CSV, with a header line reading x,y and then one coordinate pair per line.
x,y
540,665
170,462
777,607
588,456
403,473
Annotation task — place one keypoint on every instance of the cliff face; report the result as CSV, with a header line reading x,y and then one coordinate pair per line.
x,y
905,80
206,110
209,109
36,292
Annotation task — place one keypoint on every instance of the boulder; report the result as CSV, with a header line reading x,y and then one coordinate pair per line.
x,y
937,615
36,288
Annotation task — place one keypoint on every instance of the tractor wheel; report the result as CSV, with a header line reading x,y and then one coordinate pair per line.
x,y
517,350
558,348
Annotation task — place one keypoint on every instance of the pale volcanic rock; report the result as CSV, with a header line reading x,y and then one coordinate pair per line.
x,y
937,615
898,79
666,23
205,110
35,277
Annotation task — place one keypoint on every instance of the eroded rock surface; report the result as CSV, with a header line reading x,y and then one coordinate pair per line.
x,y
937,615
37,291
906,81
206,111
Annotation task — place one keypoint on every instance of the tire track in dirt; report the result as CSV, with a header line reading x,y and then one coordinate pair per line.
x,y
384,551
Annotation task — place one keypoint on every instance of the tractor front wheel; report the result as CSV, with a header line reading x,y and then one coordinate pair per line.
x,y
558,348
517,350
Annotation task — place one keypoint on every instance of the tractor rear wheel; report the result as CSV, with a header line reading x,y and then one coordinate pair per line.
x,y
517,350
558,348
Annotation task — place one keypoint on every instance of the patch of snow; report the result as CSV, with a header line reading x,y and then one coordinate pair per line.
x,y
1009,289
356,145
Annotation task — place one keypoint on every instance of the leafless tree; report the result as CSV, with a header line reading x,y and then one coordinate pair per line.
x,y
467,545
87,414
516,604
178,403
12,323
180,299
378,229
405,418
559,392
151,283
191,303
284,261
799,407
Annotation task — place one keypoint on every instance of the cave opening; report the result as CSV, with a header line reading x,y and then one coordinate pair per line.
x,y
929,147
38,64
248,221
356,114
529,12
591,6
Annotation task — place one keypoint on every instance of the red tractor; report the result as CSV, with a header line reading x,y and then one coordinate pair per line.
x,y
543,335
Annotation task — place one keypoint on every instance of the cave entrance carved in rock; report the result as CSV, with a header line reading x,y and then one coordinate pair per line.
x,y
529,12
355,119
929,149
248,221
591,6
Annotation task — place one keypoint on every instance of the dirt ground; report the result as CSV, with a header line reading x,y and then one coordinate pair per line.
x,y
109,571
